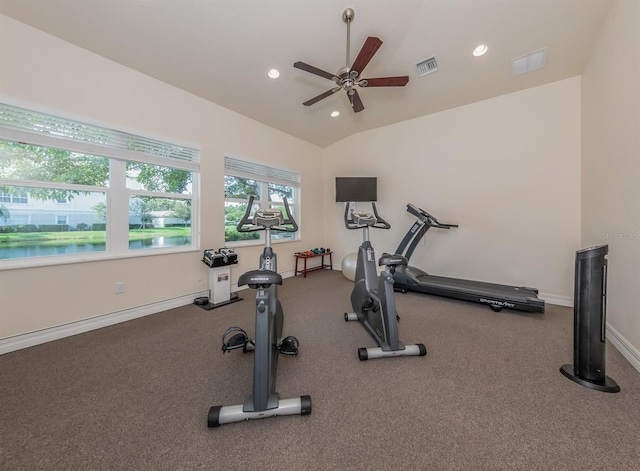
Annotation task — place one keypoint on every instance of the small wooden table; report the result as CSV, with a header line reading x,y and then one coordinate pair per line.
x,y
306,269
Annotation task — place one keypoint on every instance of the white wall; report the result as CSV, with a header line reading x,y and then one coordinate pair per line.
x,y
46,74
611,162
507,170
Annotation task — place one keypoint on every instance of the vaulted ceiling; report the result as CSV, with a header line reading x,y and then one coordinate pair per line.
x,y
221,50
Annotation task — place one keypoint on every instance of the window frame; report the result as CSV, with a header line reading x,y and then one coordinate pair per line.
x,y
116,192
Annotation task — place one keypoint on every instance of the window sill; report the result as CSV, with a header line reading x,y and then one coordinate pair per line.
x,y
36,262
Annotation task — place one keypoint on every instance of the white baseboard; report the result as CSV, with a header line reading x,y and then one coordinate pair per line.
x,y
628,351
31,339
556,299
18,342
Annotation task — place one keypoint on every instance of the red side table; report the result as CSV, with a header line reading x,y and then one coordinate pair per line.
x,y
306,269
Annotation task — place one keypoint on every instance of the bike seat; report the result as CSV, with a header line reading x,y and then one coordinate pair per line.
x,y
392,260
260,279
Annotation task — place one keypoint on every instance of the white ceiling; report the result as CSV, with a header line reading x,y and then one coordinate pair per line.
x,y
221,50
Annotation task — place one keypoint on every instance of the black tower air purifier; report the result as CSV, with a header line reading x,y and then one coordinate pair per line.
x,y
589,321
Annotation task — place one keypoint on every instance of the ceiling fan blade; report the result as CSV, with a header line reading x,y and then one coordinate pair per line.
x,y
388,81
313,70
322,96
356,102
370,47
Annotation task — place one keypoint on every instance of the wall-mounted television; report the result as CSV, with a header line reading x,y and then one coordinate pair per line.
x,y
356,189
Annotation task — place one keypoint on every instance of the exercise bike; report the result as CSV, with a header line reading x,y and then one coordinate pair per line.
x,y
264,401
372,297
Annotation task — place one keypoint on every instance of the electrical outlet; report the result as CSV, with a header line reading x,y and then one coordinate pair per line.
x,y
120,287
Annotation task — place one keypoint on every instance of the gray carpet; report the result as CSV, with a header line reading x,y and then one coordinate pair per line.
x,y
488,395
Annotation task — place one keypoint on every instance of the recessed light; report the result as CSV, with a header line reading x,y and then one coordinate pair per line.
x,y
274,74
335,114
480,50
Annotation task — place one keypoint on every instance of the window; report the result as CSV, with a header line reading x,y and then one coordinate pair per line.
x,y
13,198
87,191
269,186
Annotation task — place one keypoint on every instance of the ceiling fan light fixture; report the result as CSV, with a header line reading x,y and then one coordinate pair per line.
x,y
273,73
480,50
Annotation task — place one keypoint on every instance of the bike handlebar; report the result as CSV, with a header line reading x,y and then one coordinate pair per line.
x,y
267,219
364,219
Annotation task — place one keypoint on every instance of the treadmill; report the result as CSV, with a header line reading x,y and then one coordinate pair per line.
x,y
497,297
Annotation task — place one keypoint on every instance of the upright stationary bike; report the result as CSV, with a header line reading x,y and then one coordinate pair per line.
x,y
372,297
264,400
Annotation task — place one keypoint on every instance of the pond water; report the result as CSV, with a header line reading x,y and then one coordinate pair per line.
x,y
160,242
70,249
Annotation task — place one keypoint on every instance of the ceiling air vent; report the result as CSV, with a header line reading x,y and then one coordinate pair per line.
x,y
427,66
529,62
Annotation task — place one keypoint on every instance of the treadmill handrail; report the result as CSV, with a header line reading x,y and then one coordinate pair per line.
x,y
419,228
427,218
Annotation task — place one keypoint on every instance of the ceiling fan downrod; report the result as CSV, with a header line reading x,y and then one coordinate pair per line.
x,y
347,16
347,78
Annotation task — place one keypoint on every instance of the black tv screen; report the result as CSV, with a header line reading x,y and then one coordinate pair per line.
x,y
356,189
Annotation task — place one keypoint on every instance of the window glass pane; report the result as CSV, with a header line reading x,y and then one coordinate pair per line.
x,y
19,196
159,222
279,234
233,213
28,162
156,178
241,188
43,227
276,195
278,192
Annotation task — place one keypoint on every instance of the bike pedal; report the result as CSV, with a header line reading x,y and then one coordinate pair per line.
x,y
239,340
289,346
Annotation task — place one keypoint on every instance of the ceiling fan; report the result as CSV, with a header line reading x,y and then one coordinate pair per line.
x,y
348,77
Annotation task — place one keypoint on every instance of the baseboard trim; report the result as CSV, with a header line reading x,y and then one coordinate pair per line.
x,y
628,351
31,339
556,299
18,342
